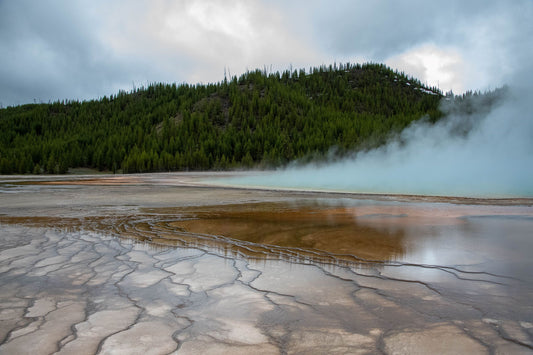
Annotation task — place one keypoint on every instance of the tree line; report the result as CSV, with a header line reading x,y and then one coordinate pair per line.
x,y
258,119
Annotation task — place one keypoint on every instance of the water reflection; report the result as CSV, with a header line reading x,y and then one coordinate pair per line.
x,y
326,231
334,230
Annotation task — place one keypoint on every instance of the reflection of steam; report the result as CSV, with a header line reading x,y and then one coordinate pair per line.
x,y
489,154
310,230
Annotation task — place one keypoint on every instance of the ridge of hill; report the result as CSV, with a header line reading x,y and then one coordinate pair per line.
x,y
259,119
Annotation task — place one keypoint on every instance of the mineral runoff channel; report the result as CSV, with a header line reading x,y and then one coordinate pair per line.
x,y
165,263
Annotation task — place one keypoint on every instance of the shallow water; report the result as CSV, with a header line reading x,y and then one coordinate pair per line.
x,y
156,264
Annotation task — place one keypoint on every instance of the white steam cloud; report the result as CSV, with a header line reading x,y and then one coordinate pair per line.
x,y
494,159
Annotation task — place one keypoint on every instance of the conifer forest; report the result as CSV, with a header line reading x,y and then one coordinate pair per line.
x,y
258,120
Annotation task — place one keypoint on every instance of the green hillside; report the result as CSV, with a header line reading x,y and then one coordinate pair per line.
x,y
257,120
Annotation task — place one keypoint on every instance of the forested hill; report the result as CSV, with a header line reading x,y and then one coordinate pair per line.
x,y
257,120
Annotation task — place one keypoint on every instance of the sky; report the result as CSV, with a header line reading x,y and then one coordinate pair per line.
x,y
70,49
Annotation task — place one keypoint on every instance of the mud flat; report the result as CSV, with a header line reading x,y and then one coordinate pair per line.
x,y
158,264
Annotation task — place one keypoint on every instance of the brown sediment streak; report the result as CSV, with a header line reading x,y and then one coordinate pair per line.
x,y
331,230
312,232
111,181
257,231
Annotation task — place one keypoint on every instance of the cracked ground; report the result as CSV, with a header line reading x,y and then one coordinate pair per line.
x,y
152,265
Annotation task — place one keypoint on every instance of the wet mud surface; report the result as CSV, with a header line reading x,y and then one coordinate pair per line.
x,y
159,265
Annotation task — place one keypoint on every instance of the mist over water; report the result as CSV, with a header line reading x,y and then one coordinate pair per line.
x,y
494,158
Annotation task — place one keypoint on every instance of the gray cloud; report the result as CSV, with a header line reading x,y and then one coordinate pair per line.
x,y
380,29
77,49
51,52
375,29
484,33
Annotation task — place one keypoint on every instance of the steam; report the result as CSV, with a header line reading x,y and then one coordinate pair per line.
x,y
489,154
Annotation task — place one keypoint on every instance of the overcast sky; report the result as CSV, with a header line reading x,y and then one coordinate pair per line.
x,y
66,49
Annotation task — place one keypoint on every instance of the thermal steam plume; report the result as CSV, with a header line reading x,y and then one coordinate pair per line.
x,y
488,154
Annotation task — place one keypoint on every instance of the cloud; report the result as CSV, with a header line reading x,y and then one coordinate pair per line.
x,y
76,49
51,53
381,29
375,29
68,49
438,67
481,37
203,37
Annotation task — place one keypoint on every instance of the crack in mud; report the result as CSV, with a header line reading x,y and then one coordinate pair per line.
x,y
258,277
